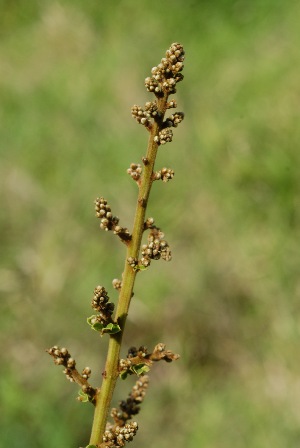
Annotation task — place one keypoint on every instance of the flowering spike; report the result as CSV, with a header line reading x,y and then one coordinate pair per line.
x,y
162,82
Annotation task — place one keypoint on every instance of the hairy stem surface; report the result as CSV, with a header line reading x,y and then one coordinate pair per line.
x,y
110,375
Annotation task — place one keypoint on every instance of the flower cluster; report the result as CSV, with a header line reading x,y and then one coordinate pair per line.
x,y
117,436
141,116
164,136
137,394
100,303
108,221
156,248
162,83
131,406
102,322
144,116
141,352
133,262
103,211
117,284
171,104
135,171
166,75
149,223
174,119
62,357
152,85
86,373
152,109
165,174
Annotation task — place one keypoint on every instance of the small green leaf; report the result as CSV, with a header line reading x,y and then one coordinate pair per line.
x,y
84,398
139,267
140,369
91,446
111,329
89,320
95,325
98,327
124,374
143,268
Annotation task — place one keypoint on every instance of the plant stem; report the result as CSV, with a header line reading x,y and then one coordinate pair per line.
x,y
110,375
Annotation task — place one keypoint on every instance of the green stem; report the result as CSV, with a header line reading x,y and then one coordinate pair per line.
x,y
110,375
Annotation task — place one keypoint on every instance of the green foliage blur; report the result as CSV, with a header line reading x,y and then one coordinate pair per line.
x,y
229,300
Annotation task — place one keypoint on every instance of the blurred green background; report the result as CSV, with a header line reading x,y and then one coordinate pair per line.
x,y
229,300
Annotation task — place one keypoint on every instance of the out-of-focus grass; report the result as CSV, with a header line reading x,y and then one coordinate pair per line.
x,y
229,300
